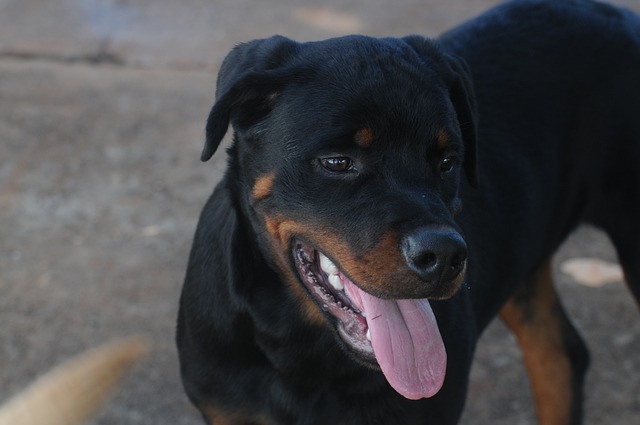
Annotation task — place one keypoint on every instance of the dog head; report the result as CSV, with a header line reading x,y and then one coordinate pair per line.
x,y
349,155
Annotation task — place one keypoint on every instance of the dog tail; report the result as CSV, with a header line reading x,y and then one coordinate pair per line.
x,y
72,392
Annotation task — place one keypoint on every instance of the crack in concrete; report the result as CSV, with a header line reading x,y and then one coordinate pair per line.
x,y
98,58
104,57
101,56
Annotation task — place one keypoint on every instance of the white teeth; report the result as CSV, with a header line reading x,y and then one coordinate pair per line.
x,y
335,281
332,271
368,334
327,266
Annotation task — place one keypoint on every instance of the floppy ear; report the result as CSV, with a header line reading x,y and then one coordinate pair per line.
x,y
457,77
249,75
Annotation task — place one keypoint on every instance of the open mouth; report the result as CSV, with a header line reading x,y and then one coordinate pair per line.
x,y
329,286
401,336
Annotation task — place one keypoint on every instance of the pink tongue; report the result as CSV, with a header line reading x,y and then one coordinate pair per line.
x,y
406,342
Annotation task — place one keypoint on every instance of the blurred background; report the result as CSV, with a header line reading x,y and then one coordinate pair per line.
x,y
102,111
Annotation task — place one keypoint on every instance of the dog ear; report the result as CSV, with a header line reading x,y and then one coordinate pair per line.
x,y
457,78
464,101
251,73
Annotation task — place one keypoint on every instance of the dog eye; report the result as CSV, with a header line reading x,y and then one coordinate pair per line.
x,y
447,164
338,164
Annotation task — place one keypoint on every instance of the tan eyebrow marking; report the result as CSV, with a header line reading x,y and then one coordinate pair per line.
x,y
442,139
262,186
364,137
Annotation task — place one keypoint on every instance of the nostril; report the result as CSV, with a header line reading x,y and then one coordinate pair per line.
x,y
457,263
425,260
458,260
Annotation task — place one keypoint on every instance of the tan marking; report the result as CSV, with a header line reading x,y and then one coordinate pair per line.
x,y
280,248
536,323
262,186
214,417
443,139
364,137
381,270
218,417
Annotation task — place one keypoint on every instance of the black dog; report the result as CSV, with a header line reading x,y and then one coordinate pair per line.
x,y
340,215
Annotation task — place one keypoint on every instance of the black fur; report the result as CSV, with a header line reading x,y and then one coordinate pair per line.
x,y
541,103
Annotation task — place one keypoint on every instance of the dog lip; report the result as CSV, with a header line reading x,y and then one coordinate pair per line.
x,y
351,322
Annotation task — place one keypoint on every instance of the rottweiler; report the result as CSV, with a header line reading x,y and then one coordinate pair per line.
x,y
386,198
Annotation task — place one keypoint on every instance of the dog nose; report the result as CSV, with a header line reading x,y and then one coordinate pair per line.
x,y
436,254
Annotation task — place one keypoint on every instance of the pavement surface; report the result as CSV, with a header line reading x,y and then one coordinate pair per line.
x,y
102,109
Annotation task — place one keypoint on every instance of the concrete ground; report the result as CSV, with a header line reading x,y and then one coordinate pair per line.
x,y
102,109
